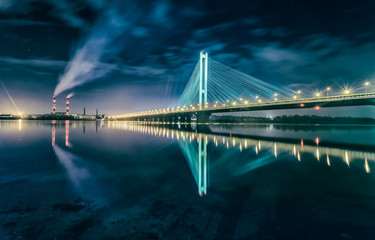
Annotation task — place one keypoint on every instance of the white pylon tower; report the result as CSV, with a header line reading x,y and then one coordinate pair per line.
x,y
203,72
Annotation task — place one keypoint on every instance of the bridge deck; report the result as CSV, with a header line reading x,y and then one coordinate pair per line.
x,y
330,101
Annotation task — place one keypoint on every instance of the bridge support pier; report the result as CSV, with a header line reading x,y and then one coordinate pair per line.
x,y
203,117
185,119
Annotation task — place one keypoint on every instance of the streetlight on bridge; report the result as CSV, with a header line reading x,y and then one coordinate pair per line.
x,y
327,90
367,83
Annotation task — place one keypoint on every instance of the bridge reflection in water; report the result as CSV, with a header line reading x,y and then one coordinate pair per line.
x,y
195,144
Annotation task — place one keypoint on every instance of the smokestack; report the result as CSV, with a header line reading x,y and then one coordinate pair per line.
x,y
67,105
54,105
84,111
97,112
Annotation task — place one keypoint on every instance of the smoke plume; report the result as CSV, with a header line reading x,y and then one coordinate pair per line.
x,y
88,62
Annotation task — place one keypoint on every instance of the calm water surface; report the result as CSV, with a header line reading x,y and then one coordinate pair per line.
x,y
118,180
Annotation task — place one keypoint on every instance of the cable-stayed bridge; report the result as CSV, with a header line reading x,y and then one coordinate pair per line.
x,y
216,88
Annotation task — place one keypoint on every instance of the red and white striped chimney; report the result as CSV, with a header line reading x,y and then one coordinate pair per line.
x,y
54,105
67,105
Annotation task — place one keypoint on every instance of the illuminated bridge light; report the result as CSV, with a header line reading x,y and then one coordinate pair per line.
x,y
302,105
328,161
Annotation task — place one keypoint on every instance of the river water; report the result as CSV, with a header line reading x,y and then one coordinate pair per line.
x,y
121,180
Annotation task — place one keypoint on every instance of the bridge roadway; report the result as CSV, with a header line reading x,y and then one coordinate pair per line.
x,y
202,115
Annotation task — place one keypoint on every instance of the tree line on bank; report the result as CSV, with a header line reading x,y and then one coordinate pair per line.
x,y
295,119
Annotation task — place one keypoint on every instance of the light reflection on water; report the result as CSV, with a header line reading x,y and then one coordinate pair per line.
x,y
194,146
142,175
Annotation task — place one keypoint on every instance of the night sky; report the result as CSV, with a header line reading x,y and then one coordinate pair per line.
x,y
138,55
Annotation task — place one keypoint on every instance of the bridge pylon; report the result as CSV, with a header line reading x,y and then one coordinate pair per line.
x,y
203,73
